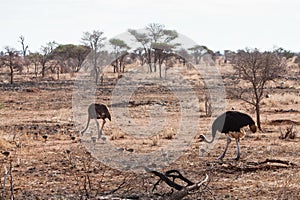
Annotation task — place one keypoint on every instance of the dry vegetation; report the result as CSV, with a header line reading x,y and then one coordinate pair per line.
x,y
47,159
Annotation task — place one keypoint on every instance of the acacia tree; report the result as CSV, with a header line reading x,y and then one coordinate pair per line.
x,y
95,40
162,52
156,35
79,54
198,51
159,36
145,41
119,47
256,68
140,55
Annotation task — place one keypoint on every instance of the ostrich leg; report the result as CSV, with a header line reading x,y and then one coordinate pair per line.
x,y
97,124
238,149
225,150
100,131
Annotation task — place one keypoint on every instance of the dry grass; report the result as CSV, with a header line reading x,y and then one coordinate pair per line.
x,y
155,140
168,133
62,168
5,145
116,135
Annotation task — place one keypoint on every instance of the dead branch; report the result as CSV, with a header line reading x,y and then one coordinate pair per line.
x,y
182,191
277,161
186,190
256,166
164,178
176,174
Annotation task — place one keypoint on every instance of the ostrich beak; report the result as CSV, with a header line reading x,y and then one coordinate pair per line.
x,y
253,128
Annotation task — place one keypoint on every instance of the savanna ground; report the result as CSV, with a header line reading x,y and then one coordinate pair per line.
x,y
61,167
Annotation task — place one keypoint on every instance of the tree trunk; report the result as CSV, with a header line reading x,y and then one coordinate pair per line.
x,y
57,73
43,71
11,75
160,70
35,69
257,110
149,60
96,75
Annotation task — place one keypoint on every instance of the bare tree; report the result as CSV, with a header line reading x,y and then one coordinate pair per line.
x,y
24,46
34,58
95,41
46,53
256,68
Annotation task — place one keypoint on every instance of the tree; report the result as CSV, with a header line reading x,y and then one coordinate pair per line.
x,y
70,57
95,41
46,53
119,47
145,41
11,59
159,36
182,55
80,52
256,68
198,51
140,55
24,47
285,53
162,52
156,35
35,59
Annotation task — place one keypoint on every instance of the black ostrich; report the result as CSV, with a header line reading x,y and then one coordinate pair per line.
x,y
231,123
97,111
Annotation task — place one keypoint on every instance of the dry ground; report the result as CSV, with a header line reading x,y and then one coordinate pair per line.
x,y
61,167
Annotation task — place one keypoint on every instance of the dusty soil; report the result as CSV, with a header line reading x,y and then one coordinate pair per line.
x,y
48,160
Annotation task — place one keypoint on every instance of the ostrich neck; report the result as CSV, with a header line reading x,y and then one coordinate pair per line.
x,y
209,141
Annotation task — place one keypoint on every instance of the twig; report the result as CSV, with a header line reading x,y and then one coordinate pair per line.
x,y
182,193
118,188
170,174
165,179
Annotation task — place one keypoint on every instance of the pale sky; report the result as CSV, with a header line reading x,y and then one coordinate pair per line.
x,y
217,24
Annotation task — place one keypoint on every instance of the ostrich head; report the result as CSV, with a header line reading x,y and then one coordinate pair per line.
x,y
253,128
201,138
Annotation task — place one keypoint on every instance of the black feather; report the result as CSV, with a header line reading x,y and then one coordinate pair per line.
x,y
99,111
232,121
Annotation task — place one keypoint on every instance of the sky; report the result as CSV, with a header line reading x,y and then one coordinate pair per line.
x,y
218,24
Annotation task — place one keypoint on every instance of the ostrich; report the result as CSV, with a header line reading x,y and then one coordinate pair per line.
x,y
97,111
231,123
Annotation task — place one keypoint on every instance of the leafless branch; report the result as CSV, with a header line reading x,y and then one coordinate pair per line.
x,y
182,191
